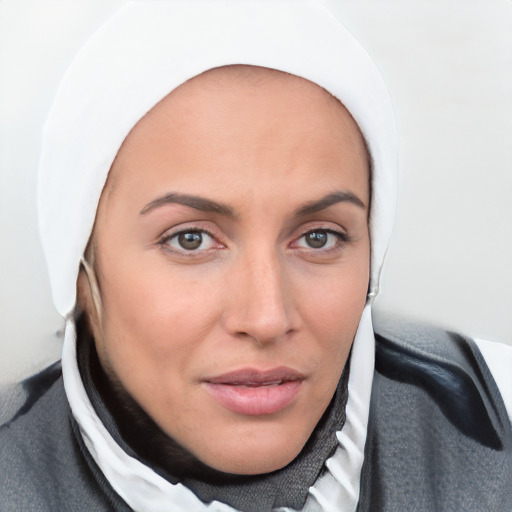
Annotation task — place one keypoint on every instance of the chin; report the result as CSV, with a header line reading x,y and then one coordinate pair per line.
x,y
255,451
253,463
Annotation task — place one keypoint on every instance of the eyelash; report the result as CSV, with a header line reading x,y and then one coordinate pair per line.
x,y
190,253
341,239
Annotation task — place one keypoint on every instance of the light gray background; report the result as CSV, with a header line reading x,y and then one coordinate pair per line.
x,y
448,65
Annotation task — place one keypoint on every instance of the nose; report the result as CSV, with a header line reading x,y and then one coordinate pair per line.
x,y
261,299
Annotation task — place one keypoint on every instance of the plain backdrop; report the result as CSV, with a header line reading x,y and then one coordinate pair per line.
x,y
448,65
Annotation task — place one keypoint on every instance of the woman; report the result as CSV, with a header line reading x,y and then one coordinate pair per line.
x,y
215,206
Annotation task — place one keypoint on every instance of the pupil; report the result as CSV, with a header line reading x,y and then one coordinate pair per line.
x,y
191,240
316,239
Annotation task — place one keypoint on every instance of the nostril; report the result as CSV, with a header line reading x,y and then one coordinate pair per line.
x,y
261,306
266,335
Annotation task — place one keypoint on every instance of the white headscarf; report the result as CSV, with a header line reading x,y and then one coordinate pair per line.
x,y
147,49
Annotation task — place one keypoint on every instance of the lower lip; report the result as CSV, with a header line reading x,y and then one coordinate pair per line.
x,y
255,401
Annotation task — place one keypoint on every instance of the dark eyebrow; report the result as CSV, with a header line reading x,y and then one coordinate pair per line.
x,y
196,202
342,196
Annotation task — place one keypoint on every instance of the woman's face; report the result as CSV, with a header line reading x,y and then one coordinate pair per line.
x,y
232,251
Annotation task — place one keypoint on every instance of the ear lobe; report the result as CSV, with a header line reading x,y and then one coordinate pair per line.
x,y
89,300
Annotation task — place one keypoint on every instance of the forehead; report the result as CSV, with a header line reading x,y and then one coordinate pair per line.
x,y
248,76
237,110
250,84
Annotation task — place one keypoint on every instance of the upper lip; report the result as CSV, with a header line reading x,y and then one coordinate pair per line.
x,y
254,376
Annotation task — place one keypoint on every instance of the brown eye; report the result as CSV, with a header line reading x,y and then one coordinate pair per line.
x,y
190,240
192,243
316,239
321,240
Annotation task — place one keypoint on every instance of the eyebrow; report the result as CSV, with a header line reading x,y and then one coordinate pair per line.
x,y
208,205
340,196
196,202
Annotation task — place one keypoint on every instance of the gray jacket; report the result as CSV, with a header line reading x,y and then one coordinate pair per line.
x,y
439,438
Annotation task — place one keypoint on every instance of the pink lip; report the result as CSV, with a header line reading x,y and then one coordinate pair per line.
x,y
254,392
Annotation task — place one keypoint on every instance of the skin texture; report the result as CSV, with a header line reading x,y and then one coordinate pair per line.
x,y
255,294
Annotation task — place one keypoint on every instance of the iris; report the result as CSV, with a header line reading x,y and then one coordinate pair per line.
x,y
190,240
316,239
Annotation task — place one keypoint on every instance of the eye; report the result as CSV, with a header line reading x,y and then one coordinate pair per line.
x,y
321,239
316,239
190,240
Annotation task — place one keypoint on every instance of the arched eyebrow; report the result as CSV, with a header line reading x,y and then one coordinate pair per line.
x,y
196,202
340,196
210,206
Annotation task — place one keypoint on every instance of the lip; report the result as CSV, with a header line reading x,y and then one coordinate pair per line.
x,y
254,392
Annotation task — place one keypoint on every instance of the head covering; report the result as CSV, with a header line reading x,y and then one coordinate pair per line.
x,y
147,49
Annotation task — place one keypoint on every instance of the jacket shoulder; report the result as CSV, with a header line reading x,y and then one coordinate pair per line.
x,y
43,464
16,399
450,368
439,437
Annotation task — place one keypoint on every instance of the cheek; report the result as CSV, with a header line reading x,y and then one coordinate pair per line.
x,y
155,318
331,305
332,299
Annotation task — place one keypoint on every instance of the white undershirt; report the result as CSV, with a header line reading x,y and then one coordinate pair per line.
x,y
499,360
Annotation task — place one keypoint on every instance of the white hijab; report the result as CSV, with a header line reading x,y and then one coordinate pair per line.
x,y
147,49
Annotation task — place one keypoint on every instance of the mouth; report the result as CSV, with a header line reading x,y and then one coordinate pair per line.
x,y
253,392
